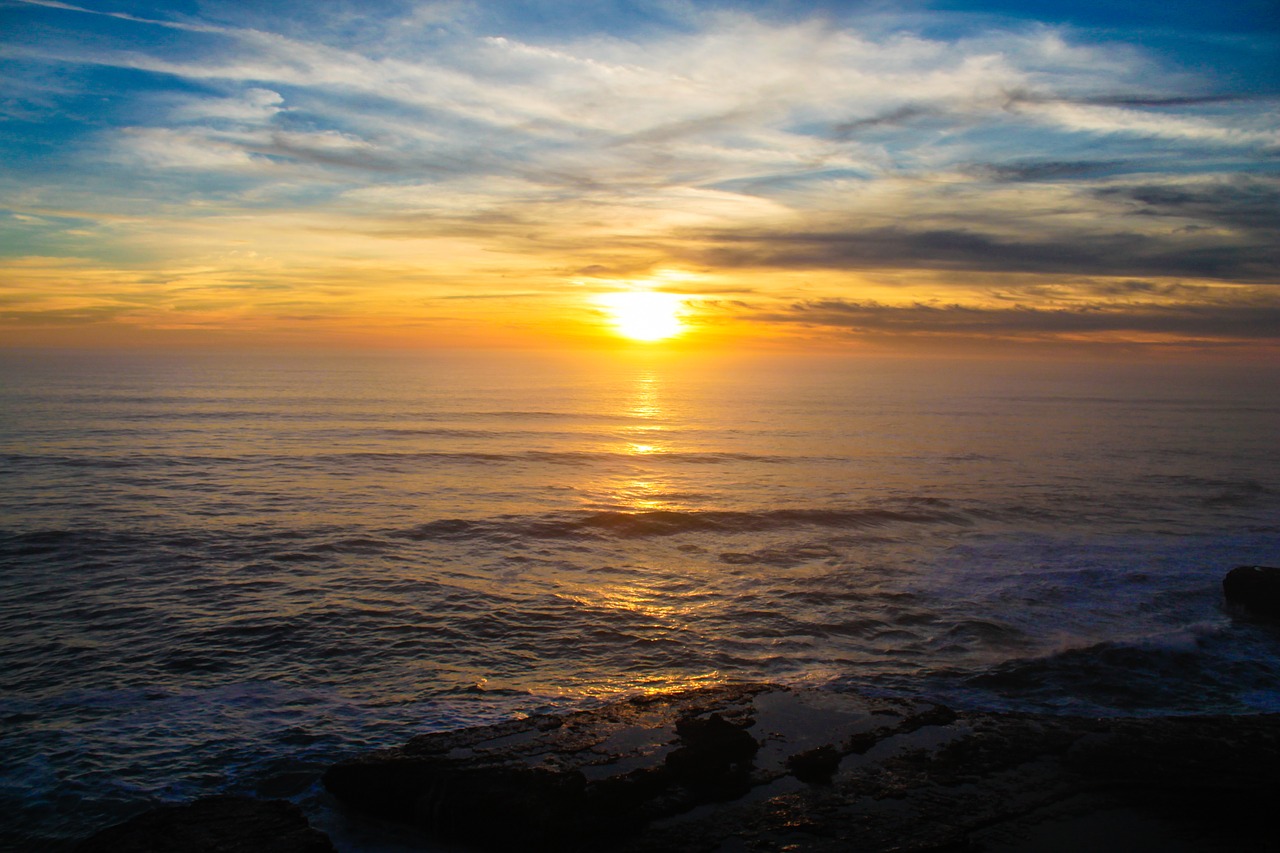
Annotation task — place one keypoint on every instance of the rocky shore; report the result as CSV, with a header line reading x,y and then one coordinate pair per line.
x,y
761,767
214,825
758,767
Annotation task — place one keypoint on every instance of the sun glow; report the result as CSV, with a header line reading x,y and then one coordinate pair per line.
x,y
644,315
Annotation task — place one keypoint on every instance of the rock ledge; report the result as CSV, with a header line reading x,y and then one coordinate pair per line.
x,y
762,767
213,825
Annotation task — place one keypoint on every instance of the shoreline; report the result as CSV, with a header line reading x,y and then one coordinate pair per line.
x,y
766,767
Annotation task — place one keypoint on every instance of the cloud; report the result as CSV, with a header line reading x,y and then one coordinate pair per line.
x,y
892,118
960,248
252,106
1245,203
199,151
1045,170
459,147
1105,119
1246,321
60,317
733,98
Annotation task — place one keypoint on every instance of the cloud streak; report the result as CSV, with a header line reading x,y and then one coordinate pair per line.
x,y
1119,254
1245,321
749,145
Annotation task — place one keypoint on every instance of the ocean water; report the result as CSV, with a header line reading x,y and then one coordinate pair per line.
x,y
220,573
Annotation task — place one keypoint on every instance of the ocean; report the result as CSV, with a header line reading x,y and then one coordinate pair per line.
x,y
221,572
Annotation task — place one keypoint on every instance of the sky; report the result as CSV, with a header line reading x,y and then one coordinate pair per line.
x,y
950,176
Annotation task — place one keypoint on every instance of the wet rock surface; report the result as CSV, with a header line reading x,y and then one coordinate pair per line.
x,y
760,767
1255,588
213,825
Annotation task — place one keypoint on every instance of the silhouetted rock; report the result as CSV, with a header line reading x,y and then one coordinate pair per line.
x,y
213,825
558,781
1256,588
772,768
816,766
714,757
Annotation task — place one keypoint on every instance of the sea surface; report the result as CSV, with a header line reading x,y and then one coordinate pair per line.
x,y
222,572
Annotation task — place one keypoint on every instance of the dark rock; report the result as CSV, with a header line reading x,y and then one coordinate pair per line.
x,y
1255,588
715,757
760,767
558,782
213,825
716,739
815,766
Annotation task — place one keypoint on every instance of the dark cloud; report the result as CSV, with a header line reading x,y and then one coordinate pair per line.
x,y
1133,100
1167,101
352,157
614,269
1246,321
1117,254
595,270
1108,288
1044,170
1137,287
1247,203
892,118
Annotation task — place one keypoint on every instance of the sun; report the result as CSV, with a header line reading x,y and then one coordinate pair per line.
x,y
644,315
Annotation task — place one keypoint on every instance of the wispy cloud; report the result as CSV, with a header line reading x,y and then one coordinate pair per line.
x,y
1198,321
739,143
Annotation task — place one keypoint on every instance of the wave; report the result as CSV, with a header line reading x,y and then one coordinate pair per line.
x,y
1191,671
156,461
628,525
312,544
1185,404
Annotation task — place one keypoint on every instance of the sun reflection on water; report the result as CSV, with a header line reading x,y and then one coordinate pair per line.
x,y
645,435
645,495
645,402
657,598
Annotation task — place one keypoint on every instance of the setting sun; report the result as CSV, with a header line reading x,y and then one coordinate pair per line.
x,y
644,315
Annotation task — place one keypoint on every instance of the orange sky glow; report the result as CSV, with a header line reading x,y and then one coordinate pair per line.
x,y
731,179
